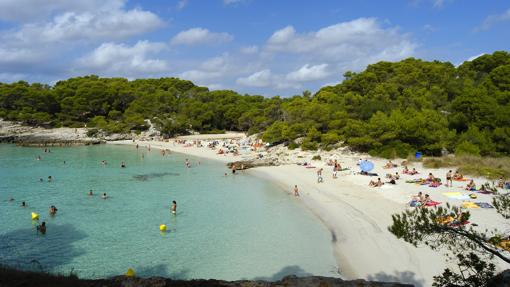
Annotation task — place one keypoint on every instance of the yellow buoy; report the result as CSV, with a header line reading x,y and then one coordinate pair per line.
x,y
35,216
130,272
162,227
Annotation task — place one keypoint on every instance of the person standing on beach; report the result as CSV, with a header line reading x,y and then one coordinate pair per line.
x,y
174,207
449,181
296,191
319,176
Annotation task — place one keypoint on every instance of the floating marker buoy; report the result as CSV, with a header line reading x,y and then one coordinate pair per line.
x,y
162,227
35,216
130,272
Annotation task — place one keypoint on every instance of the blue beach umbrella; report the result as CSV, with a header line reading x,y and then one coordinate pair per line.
x,y
366,166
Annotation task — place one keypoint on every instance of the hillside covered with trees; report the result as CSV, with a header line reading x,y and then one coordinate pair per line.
x,y
389,109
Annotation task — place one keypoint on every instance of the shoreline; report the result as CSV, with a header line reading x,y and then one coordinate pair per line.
x,y
367,251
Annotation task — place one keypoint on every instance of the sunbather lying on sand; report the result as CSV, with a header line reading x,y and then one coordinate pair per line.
x,y
396,176
377,183
426,200
390,165
457,175
431,177
413,172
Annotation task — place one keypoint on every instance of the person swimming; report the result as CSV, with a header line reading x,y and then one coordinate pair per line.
x,y
104,196
42,228
50,178
123,164
53,210
174,207
90,193
23,204
41,180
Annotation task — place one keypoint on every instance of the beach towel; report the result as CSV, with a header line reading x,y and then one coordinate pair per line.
x,y
462,179
484,205
469,204
456,195
485,192
309,166
432,203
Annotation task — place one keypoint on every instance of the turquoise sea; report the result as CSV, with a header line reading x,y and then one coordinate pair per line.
x,y
226,227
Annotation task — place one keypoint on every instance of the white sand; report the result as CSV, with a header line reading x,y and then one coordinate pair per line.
x,y
358,216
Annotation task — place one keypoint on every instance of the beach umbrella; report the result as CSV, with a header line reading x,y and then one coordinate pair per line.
x,y
366,166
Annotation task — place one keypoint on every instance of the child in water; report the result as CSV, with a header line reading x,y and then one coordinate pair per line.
x,y
104,196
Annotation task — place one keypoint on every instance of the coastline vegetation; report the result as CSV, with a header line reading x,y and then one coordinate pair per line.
x,y
392,109
489,167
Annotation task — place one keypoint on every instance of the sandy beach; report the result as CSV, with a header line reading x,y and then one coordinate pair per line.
x,y
357,215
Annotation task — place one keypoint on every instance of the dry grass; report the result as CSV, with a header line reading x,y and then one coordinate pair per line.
x,y
490,167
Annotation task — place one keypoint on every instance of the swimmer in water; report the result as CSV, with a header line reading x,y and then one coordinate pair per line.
x,y
11,199
53,210
104,196
23,204
122,164
49,178
90,193
38,157
40,179
174,207
42,228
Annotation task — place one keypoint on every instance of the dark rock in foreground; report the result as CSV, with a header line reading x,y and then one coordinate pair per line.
x,y
15,278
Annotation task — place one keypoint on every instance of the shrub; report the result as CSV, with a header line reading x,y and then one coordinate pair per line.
x,y
467,148
316,157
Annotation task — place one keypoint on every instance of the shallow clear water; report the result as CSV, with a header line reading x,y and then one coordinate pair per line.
x,y
233,227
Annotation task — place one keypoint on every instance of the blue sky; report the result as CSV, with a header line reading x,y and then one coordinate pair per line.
x,y
250,46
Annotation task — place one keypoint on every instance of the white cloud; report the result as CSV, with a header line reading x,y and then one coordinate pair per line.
x,y
212,68
438,3
195,36
18,56
181,4
352,44
265,78
11,77
121,60
250,50
474,57
493,20
230,2
33,10
213,87
258,79
309,73
114,24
